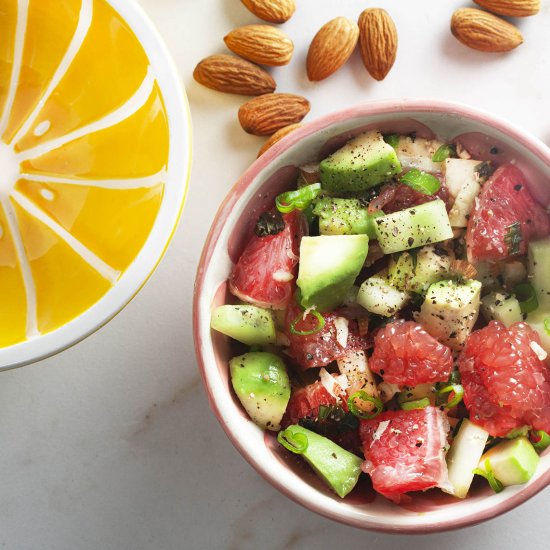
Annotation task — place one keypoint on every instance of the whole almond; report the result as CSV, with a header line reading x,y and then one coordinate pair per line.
x,y
378,41
233,75
261,43
264,115
274,11
331,48
484,31
511,8
277,136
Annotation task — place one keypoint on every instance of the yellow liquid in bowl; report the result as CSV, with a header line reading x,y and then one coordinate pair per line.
x,y
83,156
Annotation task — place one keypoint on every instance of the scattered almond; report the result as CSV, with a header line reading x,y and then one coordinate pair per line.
x,y
331,48
511,8
274,11
484,31
309,173
261,43
378,41
233,75
264,115
277,136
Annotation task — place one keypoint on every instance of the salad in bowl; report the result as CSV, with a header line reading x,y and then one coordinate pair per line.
x,y
386,316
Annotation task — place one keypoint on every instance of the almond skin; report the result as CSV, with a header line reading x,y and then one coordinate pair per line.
x,y
274,11
233,75
331,48
264,115
511,8
484,31
378,41
261,44
277,136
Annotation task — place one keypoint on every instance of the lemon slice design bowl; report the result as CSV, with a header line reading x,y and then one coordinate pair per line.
x,y
94,164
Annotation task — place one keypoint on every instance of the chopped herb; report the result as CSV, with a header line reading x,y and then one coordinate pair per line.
x,y
444,152
513,238
269,223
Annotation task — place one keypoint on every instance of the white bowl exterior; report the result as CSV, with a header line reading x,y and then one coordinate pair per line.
x,y
176,182
247,437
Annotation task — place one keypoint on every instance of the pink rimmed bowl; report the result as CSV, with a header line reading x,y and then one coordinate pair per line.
x,y
276,171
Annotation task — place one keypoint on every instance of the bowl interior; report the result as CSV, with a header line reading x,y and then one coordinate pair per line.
x,y
276,171
95,149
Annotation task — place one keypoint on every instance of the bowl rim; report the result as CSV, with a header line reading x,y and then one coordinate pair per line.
x,y
389,106
178,174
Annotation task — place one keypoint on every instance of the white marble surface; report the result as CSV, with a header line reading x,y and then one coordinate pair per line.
x,y
111,445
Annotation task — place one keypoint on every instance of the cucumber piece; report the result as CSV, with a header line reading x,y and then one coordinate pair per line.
x,y
400,271
416,226
501,307
513,462
250,325
261,383
338,468
345,217
328,268
539,270
365,161
463,457
378,296
450,311
431,266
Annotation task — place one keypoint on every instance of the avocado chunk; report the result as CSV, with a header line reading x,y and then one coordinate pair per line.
x,y
432,265
261,383
463,457
378,296
513,462
401,270
250,325
539,270
365,161
328,268
338,468
416,226
345,217
450,311
501,307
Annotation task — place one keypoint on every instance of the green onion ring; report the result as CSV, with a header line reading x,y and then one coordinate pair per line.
x,y
416,404
527,297
376,401
488,474
542,440
444,152
299,199
318,328
421,181
457,389
295,443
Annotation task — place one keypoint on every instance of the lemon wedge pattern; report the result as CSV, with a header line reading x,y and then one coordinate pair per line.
x,y
83,156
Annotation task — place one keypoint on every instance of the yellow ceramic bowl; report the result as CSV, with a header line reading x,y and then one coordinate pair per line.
x,y
94,161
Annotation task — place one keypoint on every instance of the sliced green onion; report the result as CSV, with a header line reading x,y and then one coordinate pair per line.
x,y
299,199
323,412
547,325
416,404
542,440
392,139
444,152
421,181
295,443
365,397
318,328
457,389
527,297
455,377
488,474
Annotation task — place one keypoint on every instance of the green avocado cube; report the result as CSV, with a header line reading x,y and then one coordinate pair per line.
x,y
338,468
365,161
261,383
251,325
329,265
513,462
